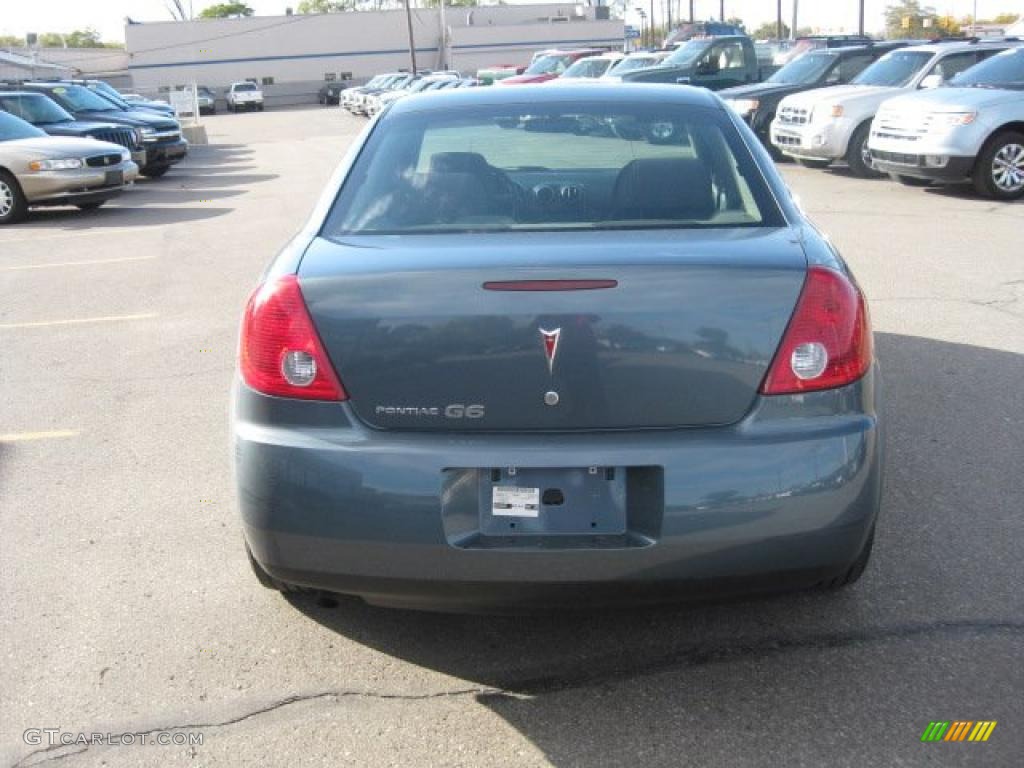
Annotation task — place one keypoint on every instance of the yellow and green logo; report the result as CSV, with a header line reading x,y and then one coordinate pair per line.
x,y
958,730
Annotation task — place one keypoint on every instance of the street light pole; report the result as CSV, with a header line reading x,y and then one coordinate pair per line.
x,y
792,29
778,19
721,10
860,26
651,25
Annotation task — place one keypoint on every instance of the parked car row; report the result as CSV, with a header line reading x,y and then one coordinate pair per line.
x,y
946,112
386,88
78,143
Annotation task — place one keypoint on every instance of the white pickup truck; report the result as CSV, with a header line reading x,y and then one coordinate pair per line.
x,y
827,124
971,131
244,96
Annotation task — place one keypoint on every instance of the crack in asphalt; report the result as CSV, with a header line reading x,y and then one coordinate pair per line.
x,y
599,671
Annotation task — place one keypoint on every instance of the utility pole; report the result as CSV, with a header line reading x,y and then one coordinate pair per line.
x,y
860,26
444,37
721,10
778,19
668,18
792,29
651,26
412,42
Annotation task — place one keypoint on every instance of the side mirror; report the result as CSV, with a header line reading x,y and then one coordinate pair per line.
x,y
932,81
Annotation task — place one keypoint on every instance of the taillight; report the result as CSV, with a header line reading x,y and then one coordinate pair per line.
x,y
280,353
828,341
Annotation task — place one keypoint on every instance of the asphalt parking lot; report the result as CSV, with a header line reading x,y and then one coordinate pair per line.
x,y
129,607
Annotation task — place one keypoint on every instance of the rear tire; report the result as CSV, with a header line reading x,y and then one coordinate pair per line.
x,y
999,170
816,164
910,181
90,206
268,581
857,155
13,205
260,107
156,173
852,574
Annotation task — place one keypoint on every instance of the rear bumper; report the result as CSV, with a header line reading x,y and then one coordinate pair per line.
x,y
788,495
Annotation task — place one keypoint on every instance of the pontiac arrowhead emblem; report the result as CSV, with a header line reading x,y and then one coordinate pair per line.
x,y
550,339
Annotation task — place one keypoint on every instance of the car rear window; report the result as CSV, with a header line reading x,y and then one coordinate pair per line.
x,y
551,167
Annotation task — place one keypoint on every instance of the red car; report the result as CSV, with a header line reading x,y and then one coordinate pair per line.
x,y
550,65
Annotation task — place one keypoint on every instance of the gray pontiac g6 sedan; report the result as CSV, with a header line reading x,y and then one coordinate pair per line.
x,y
556,346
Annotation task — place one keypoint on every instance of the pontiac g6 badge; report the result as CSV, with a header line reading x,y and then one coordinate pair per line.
x,y
550,339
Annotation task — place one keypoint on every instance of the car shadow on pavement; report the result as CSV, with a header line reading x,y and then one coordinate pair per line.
x,y
648,686
119,216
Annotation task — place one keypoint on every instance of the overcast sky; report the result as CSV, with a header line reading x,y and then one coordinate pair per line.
x,y
20,16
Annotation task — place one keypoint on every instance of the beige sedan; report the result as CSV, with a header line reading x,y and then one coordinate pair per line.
x,y
37,169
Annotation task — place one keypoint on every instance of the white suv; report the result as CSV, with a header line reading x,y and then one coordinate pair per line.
x,y
973,130
244,96
827,124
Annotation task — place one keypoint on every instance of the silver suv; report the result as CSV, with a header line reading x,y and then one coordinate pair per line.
x,y
827,124
970,131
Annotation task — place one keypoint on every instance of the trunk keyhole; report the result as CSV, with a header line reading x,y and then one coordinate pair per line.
x,y
552,497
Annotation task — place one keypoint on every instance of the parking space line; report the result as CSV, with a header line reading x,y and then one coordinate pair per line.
x,y
76,321
19,437
77,263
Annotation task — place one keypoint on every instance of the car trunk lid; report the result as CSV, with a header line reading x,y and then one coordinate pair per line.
x,y
666,329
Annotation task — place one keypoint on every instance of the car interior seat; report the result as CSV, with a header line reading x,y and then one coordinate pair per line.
x,y
669,188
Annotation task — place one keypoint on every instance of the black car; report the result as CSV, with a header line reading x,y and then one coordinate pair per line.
x,y
330,93
161,136
756,103
47,115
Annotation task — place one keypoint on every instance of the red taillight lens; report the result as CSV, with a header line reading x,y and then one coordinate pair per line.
x,y
828,341
280,353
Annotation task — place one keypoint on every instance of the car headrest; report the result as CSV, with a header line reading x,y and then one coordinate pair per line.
x,y
458,162
669,188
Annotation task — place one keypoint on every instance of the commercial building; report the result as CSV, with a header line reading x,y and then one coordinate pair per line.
x,y
293,52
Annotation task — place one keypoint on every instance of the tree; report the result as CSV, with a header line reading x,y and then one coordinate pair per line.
x,y
80,38
177,9
947,26
326,6
233,10
769,31
905,20
1006,18
10,41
